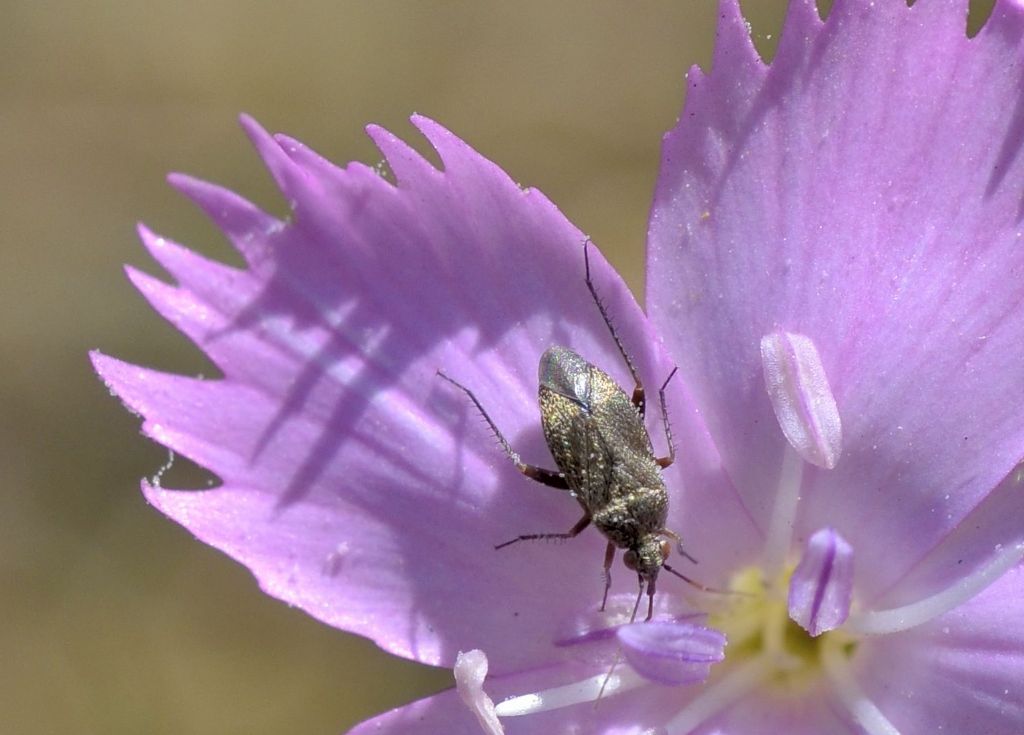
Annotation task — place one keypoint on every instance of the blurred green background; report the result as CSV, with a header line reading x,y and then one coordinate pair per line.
x,y
112,619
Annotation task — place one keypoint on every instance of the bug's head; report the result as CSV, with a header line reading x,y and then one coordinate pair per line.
x,y
647,557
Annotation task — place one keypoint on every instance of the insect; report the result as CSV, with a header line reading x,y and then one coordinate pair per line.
x,y
597,437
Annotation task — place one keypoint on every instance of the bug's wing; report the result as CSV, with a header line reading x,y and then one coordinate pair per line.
x,y
620,428
592,428
590,395
615,416
577,447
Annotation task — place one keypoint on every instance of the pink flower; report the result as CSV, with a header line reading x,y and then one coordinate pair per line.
x,y
835,263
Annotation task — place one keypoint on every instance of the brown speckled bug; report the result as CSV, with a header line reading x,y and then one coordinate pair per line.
x,y
598,439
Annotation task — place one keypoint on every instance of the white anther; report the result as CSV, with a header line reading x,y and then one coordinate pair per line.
x,y
802,397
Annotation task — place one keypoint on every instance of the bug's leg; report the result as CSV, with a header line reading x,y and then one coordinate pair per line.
x,y
571,533
609,557
639,596
650,598
666,461
541,475
679,544
638,389
618,652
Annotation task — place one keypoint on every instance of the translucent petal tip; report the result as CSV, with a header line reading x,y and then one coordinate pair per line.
x,y
470,672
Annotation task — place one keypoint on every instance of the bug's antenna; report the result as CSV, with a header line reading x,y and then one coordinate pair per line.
x,y
698,585
686,579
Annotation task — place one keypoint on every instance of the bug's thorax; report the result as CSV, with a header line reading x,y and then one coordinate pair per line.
x,y
633,517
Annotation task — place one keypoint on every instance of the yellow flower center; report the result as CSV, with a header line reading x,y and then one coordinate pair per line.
x,y
757,624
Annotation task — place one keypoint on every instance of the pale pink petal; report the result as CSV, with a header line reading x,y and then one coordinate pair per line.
x,y
357,484
770,713
857,206
993,527
864,190
632,713
963,672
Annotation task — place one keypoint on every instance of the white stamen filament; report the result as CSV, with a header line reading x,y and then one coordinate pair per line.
x,y
773,629
780,532
910,616
864,711
720,695
586,690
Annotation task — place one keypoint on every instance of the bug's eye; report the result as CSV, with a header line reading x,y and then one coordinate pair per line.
x,y
629,559
666,549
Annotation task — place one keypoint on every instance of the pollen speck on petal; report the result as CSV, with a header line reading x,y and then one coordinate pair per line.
x,y
672,653
802,398
470,672
822,584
